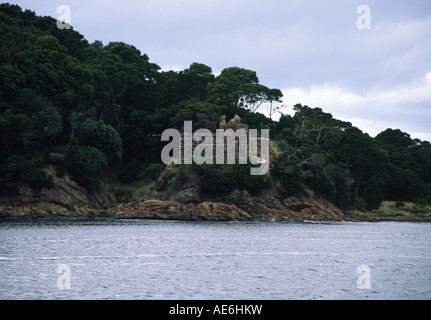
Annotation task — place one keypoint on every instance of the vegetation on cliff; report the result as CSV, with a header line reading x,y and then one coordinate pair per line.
x,y
94,111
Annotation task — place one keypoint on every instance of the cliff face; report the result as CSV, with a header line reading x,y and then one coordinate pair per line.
x,y
170,201
65,199
183,201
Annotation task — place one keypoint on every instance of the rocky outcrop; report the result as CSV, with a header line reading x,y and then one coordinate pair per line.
x,y
172,210
173,200
182,200
239,208
65,199
269,204
168,188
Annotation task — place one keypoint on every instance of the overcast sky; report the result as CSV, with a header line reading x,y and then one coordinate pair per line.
x,y
312,50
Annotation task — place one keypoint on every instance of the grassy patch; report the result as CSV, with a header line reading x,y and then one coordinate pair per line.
x,y
135,191
397,211
146,188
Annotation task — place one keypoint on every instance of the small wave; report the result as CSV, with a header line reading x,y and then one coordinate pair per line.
x,y
46,258
9,258
329,222
28,258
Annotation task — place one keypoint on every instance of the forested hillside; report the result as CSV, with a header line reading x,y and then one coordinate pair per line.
x,y
94,109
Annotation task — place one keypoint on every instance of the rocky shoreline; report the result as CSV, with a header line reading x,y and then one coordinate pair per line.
x,y
296,209
156,209
292,209
173,202
169,201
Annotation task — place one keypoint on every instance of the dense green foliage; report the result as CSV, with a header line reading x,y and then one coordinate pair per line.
x,y
220,179
105,105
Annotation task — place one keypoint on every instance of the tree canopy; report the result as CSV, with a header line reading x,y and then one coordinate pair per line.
x,y
106,104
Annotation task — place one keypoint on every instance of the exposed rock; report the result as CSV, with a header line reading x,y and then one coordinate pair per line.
x,y
234,123
171,210
245,208
183,192
320,209
66,198
189,195
174,201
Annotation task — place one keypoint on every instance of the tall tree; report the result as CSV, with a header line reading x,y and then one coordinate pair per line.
x,y
231,86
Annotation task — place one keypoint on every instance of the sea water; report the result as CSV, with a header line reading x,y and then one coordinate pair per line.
x,y
149,259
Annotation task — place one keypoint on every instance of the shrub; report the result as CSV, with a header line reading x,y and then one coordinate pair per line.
x,y
420,202
129,171
220,179
20,169
291,184
104,137
373,195
37,178
399,204
154,170
61,171
86,165
9,187
212,181
180,176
